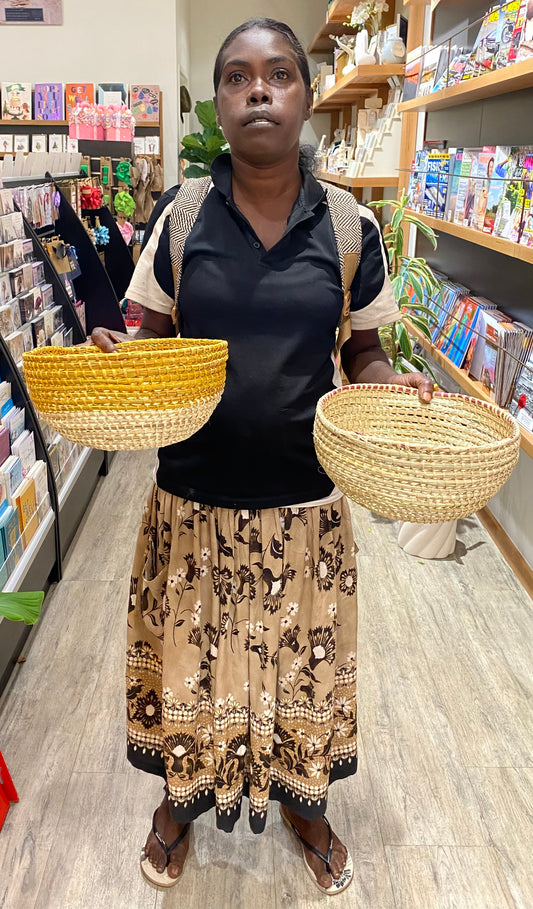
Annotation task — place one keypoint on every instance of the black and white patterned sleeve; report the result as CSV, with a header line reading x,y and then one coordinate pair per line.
x,y
373,303
152,283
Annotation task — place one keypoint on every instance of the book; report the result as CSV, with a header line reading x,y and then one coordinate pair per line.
x,y
463,182
10,318
16,100
11,472
413,67
27,337
485,169
10,535
16,420
468,211
502,159
144,103
5,288
5,398
432,63
15,343
5,448
48,101
508,221
522,403
39,475
78,93
25,501
458,330
456,160
525,49
508,16
417,180
449,296
24,448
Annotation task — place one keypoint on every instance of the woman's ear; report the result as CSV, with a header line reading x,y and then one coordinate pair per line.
x,y
309,102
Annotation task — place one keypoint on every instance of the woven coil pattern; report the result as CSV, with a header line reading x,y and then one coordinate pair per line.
x,y
149,393
410,461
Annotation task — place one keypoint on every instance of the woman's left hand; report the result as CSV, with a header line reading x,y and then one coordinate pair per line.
x,y
418,380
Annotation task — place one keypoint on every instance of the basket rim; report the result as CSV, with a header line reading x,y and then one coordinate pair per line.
x,y
416,446
132,348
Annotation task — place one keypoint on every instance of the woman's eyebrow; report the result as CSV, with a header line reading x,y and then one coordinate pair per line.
x,y
270,61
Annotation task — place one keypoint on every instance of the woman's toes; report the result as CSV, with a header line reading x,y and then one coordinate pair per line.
x,y
174,870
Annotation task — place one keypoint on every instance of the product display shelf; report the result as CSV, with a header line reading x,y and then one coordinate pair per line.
x,y
117,255
470,386
510,78
322,43
50,124
361,81
506,247
94,285
35,178
357,182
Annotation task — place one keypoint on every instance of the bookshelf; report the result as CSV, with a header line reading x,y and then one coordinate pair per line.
x,y
357,182
511,78
506,247
22,123
470,386
322,43
361,81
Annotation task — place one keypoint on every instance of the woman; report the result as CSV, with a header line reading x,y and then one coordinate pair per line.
x,y
242,625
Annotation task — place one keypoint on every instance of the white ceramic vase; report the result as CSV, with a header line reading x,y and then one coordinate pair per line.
x,y
428,541
363,57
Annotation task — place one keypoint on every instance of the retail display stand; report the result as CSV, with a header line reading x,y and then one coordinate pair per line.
x,y
118,259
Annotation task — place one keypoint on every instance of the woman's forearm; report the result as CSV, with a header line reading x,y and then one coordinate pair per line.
x,y
370,365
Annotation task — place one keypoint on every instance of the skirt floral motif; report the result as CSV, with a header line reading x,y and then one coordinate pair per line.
x,y
241,659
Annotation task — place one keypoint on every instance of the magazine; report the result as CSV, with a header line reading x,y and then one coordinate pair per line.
x,y
502,159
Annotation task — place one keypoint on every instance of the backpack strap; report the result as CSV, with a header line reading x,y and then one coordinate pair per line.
x,y
346,221
187,204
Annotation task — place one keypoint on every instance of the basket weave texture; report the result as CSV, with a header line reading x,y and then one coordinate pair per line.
x,y
410,461
149,393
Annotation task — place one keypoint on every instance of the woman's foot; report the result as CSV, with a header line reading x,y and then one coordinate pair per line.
x,y
168,829
317,834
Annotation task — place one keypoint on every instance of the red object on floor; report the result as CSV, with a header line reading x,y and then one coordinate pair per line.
x,y
8,793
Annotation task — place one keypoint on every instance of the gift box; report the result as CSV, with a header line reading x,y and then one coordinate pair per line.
x,y
86,131
116,134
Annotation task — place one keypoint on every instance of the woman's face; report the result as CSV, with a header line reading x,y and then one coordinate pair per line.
x,y
262,101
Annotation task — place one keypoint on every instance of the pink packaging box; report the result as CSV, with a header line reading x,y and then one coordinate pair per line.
x,y
115,134
83,131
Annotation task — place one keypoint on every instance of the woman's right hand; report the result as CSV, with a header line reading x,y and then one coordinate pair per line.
x,y
106,340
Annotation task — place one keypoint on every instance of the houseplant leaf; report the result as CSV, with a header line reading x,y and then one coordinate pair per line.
x,y
194,170
21,607
205,111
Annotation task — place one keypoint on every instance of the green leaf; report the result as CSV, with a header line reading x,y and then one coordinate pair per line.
x,y
21,607
193,140
396,219
404,341
418,289
398,243
422,310
382,202
215,144
402,365
422,364
397,282
205,111
198,156
194,171
422,326
428,232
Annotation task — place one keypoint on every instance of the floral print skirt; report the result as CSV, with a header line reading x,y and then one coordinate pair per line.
x,y
241,658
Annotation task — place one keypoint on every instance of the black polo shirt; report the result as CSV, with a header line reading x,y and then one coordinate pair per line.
x,y
278,310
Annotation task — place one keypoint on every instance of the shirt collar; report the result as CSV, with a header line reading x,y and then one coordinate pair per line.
x,y
310,196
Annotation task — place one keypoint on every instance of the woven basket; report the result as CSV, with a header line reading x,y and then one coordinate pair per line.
x,y
411,461
148,394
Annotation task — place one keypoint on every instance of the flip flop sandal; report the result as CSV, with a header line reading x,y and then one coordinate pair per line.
x,y
163,879
346,877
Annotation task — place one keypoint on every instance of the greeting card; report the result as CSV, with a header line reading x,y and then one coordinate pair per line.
x,y
16,100
21,143
78,92
49,101
6,142
38,143
144,103
112,93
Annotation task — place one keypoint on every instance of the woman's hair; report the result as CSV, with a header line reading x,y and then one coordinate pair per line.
x,y
273,25
307,152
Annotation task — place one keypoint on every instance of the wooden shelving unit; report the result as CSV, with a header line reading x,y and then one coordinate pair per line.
x,y
506,247
357,182
322,43
498,82
361,81
471,386
340,10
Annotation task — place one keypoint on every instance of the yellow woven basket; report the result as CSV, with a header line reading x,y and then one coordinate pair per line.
x,y
149,393
412,461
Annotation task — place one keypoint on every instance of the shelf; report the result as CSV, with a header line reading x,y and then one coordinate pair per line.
x,y
37,178
506,247
498,82
17,576
73,475
152,124
363,80
322,43
340,10
355,182
471,386
33,123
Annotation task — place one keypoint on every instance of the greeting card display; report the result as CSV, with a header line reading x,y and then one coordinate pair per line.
x,y
39,143
78,93
21,143
144,103
6,142
49,101
16,100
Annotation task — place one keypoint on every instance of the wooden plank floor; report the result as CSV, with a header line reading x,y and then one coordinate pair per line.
x,y
439,815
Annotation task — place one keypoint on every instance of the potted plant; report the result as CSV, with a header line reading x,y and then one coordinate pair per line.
x,y
413,283
201,149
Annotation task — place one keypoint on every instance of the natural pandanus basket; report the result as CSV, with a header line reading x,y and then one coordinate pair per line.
x,y
411,461
148,394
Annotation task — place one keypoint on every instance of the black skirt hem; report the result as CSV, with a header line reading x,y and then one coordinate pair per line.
x,y
226,820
